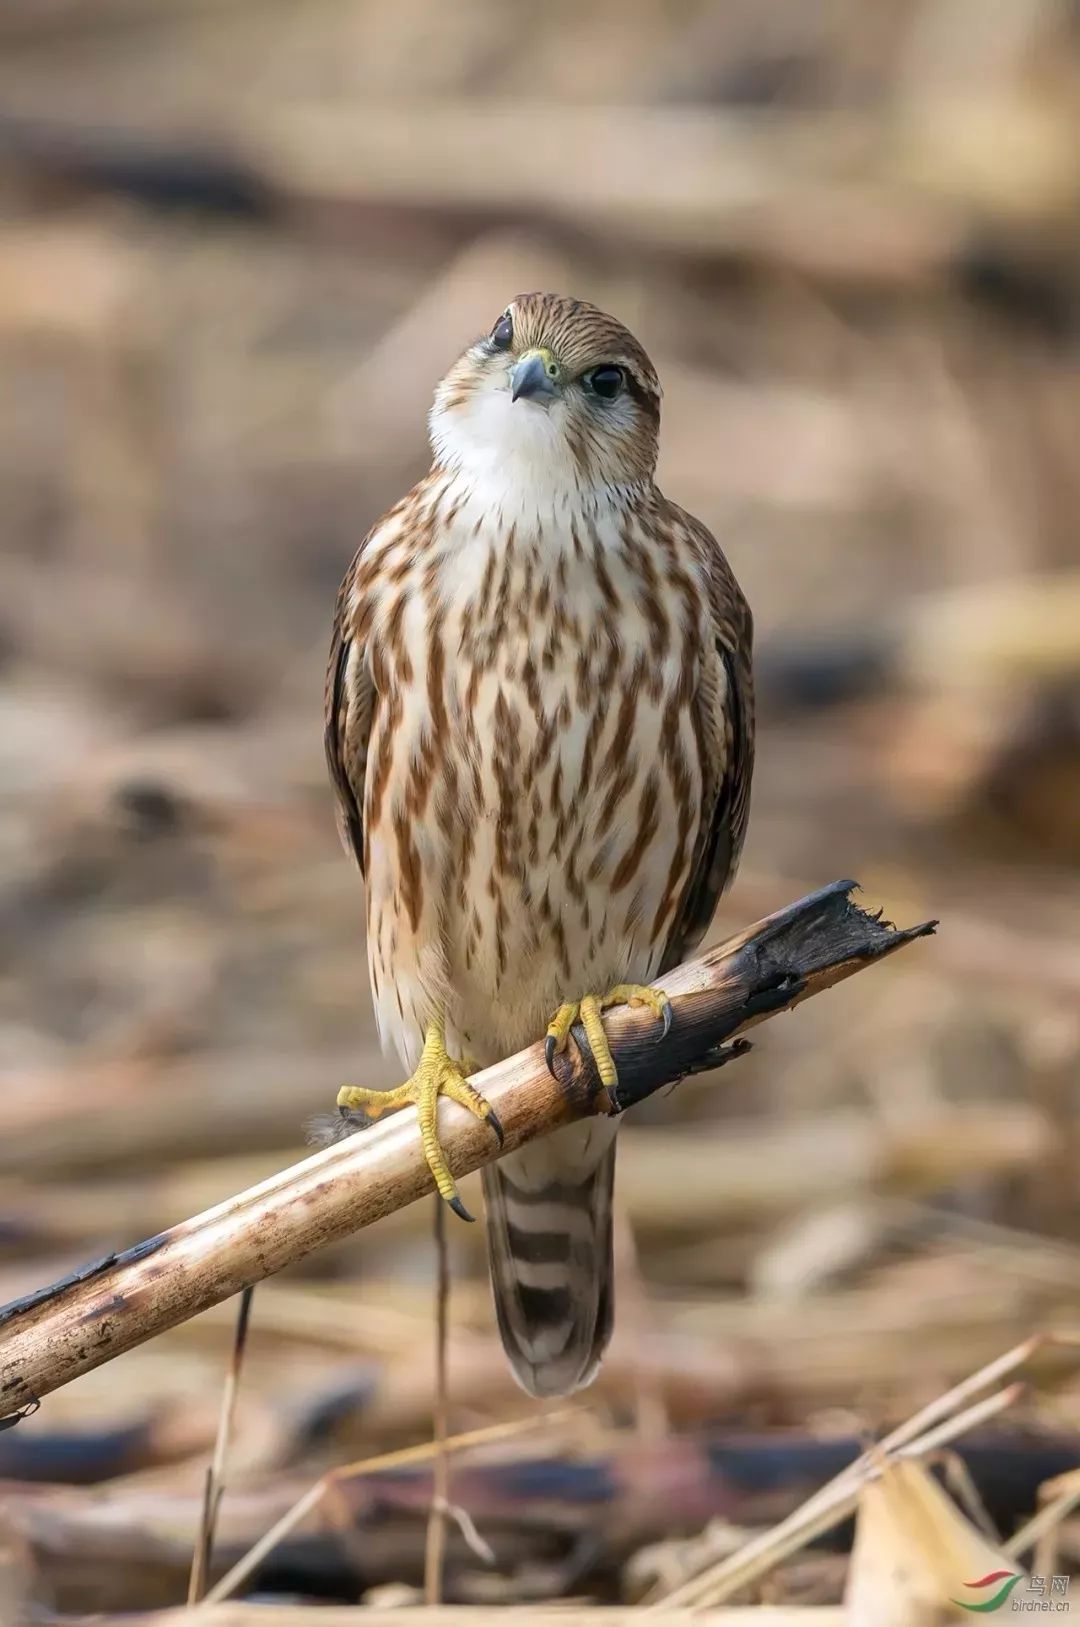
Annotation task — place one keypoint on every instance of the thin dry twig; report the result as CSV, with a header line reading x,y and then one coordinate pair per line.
x,y
435,1544
303,1506
215,1474
52,1336
1041,1529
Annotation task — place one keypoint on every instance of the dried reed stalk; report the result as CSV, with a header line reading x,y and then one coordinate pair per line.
x,y
946,1418
435,1544
76,1324
424,1452
215,1474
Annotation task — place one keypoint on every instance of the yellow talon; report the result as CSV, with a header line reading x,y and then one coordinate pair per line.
x,y
589,1011
437,1074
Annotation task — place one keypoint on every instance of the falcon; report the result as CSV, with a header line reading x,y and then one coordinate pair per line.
x,y
539,726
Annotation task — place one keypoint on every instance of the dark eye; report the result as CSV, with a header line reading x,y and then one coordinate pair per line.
x,y
605,381
502,334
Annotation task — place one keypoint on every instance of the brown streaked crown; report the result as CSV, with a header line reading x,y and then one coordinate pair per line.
x,y
581,336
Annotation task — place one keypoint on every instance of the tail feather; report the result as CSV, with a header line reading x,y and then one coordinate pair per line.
x,y
549,1247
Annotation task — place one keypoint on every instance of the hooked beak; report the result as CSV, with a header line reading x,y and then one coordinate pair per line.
x,y
536,377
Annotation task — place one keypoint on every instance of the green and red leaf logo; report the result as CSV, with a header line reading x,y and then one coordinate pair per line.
x,y
1002,1582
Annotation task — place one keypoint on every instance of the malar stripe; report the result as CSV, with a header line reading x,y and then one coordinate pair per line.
x,y
645,398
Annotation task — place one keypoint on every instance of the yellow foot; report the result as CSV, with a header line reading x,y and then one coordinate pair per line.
x,y
588,1009
437,1075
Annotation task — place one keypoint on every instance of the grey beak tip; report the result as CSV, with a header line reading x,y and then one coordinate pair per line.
x,y
529,380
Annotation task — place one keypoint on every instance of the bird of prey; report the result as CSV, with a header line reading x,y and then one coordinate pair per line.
x,y
539,725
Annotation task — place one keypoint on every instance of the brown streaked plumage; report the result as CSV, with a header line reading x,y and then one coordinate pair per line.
x,y
539,724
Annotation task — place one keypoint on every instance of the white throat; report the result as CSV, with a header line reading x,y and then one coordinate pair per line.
x,y
514,459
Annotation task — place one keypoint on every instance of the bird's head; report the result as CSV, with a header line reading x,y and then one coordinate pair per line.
x,y
558,397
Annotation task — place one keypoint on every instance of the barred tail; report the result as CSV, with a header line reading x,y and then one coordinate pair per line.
x,y
549,1247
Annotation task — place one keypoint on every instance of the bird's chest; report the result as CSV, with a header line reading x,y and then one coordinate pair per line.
x,y
543,769
543,652
531,681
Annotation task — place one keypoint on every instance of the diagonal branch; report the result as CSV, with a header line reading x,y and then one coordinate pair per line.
x,y
76,1324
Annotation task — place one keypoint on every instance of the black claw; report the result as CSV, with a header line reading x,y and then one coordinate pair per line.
x,y
496,1124
668,1014
549,1055
459,1208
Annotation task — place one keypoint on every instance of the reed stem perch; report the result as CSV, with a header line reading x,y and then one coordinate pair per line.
x,y
84,1320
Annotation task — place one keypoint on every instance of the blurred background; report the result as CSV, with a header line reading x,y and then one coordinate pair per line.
x,y
239,243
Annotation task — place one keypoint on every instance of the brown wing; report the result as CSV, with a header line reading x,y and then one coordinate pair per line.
x,y
724,723
348,711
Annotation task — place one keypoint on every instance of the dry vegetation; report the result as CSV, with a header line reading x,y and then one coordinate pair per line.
x,y
238,244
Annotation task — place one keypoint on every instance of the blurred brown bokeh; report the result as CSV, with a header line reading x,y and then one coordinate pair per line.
x,y
239,243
